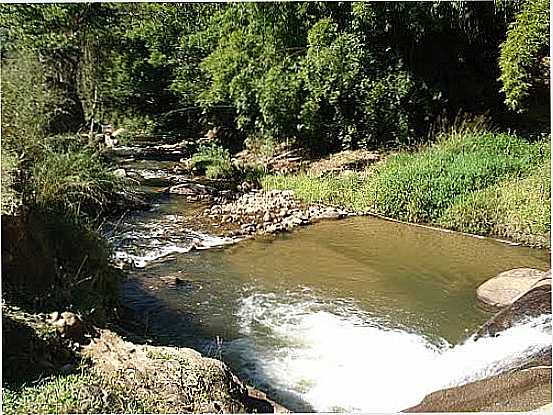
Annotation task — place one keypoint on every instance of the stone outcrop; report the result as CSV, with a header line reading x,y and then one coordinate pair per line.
x,y
523,390
507,286
180,380
533,303
524,293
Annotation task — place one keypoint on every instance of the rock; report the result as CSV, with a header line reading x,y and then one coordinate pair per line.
x,y
533,303
110,142
522,390
502,290
53,317
70,326
258,211
178,380
192,189
120,173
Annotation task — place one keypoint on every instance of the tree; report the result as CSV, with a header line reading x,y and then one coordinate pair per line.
x,y
522,58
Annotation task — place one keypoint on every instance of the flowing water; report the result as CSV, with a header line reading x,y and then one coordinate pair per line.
x,y
355,315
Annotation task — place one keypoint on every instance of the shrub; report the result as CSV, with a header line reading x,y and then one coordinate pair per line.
x,y
214,161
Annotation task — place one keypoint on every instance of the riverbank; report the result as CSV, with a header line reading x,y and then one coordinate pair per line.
x,y
486,184
107,374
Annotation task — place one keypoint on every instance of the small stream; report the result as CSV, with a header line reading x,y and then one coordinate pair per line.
x,y
361,314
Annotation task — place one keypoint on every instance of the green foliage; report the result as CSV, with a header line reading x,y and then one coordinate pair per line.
x,y
311,80
520,61
517,208
28,104
419,187
62,173
214,161
328,76
75,182
490,184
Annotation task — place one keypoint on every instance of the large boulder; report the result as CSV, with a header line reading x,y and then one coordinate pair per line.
x,y
535,302
507,286
177,380
522,390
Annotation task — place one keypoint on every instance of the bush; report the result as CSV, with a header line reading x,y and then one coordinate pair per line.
x,y
74,182
214,161
419,187
516,208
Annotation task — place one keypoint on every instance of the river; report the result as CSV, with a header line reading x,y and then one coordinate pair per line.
x,y
361,314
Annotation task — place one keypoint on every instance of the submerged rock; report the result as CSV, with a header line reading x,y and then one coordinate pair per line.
x,y
509,285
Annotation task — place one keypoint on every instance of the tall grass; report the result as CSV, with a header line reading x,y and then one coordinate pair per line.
x,y
472,181
339,190
75,182
517,208
419,187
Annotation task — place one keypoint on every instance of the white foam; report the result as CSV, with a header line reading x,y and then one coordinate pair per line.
x,y
140,261
153,241
351,363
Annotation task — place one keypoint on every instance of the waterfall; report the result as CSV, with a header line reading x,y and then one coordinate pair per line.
x,y
347,363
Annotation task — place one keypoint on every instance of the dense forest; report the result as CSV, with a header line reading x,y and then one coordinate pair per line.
x,y
327,75
455,97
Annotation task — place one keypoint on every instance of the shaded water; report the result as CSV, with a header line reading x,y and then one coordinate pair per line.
x,y
360,315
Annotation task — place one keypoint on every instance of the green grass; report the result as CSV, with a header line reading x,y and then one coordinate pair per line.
x,y
339,190
516,208
73,181
419,187
83,392
449,184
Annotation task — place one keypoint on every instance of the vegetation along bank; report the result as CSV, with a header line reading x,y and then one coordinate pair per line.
x,y
363,107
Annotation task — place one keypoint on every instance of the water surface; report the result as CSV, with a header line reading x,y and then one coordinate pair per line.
x,y
362,314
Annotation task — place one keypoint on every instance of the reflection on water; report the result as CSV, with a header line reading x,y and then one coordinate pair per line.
x,y
360,314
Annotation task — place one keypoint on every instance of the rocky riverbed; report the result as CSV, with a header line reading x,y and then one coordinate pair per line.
x,y
269,212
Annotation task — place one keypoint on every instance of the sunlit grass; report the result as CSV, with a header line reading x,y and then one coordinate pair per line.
x,y
447,183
